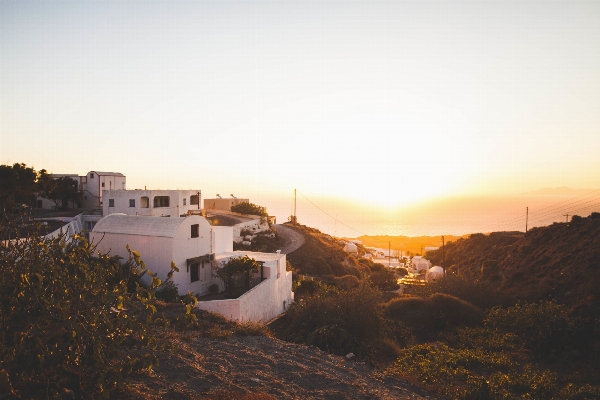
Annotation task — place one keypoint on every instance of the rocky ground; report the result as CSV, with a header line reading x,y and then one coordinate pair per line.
x,y
269,368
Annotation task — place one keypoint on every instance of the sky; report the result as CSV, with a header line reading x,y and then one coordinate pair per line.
x,y
384,103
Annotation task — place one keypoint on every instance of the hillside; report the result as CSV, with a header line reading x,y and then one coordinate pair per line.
x,y
559,262
322,255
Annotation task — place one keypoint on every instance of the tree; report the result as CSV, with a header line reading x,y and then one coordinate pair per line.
x,y
17,186
64,191
71,323
249,208
235,274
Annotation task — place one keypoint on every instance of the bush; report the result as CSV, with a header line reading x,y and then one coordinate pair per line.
x,y
384,280
427,317
338,322
480,294
545,327
67,318
168,292
346,282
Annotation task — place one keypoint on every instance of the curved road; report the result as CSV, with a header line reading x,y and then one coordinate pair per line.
x,y
292,239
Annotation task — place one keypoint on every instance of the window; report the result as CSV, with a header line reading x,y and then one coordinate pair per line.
x,y
91,176
39,204
184,199
144,202
111,202
102,184
194,200
131,202
195,230
161,201
195,272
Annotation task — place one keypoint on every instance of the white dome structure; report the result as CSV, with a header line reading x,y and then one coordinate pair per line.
x,y
434,273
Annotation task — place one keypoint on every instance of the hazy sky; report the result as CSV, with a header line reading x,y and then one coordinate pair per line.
x,y
387,102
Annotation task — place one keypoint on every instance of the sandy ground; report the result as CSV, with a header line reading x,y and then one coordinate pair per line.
x,y
201,367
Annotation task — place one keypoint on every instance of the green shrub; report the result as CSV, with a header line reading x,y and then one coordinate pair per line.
x,y
338,322
427,317
168,292
545,327
346,282
384,280
479,293
67,318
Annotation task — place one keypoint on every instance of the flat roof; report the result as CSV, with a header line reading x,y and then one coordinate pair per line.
x,y
252,254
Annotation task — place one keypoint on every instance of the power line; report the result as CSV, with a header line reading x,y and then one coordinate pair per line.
x,y
330,216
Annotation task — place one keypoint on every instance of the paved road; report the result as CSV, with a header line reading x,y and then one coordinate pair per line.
x,y
292,239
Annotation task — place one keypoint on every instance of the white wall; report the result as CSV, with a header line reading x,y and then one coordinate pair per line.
x,y
121,202
158,252
155,251
222,239
92,188
263,302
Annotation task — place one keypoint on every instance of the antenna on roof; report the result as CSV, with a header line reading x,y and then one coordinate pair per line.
x,y
218,195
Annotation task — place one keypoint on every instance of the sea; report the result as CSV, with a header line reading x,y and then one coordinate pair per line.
x,y
446,216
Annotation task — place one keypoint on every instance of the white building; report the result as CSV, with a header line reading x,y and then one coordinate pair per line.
x,y
151,203
162,240
196,247
95,182
91,186
434,273
263,302
351,248
418,264
223,204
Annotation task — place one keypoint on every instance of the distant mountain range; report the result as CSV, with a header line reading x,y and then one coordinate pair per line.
x,y
559,191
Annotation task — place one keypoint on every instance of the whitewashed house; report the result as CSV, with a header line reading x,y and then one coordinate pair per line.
x,y
418,264
151,203
263,302
351,248
90,185
162,240
434,273
196,247
95,182
222,204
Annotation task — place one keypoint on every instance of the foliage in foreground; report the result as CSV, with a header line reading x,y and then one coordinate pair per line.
x,y
71,323
501,359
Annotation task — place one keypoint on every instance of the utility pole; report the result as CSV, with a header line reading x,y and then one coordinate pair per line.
x,y
295,218
199,194
566,215
443,256
526,218
389,254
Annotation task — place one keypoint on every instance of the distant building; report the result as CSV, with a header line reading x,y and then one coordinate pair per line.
x,y
418,264
95,182
91,186
151,203
223,204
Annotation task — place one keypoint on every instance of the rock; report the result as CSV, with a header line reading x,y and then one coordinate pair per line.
x,y
255,380
350,356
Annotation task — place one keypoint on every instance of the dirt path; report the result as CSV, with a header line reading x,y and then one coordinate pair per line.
x,y
202,367
292,238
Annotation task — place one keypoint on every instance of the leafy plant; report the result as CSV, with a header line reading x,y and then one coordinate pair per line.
x,y
235,274
67,318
